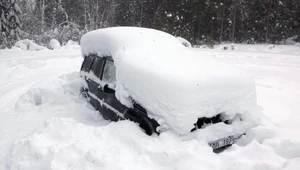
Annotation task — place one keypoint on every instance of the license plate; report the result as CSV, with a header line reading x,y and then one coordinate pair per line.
x,y
222,142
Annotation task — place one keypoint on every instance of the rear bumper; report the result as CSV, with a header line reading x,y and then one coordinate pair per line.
x,y
211,133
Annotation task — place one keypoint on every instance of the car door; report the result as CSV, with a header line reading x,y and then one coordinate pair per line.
x,y
94,76
99,74
85,69
91,66
137,113
108,78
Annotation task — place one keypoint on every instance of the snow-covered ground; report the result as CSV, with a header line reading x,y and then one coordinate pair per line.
x,y
46,124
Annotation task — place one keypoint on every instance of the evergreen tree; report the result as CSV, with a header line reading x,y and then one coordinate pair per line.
x,y
128,13
255,21
10,26
199,21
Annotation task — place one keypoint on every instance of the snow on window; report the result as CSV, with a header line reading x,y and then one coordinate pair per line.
x,y
109,73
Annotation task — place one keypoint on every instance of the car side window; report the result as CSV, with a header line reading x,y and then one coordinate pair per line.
x,y
87,63
97,66
109,73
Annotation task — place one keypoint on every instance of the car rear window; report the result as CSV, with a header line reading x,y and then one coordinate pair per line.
x,y
109,73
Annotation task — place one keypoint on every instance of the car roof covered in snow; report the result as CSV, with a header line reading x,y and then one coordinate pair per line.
x,y
174,83
108,41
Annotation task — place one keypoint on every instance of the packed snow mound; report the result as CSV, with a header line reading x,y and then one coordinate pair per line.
x,y
118,41
54,44
64,143
71,45
27,44
174,83
289,41
184,42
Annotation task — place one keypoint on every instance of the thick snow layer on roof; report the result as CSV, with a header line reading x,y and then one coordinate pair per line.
x,y
175,84
119,41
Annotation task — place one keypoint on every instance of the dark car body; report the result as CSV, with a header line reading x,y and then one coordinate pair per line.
x,y
99,75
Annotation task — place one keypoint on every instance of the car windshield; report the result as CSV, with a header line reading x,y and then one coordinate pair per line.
x,y
109,73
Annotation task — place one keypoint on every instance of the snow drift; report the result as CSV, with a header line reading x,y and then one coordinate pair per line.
x,y
27,44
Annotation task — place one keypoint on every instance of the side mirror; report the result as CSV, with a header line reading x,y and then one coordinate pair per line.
x,y
107,89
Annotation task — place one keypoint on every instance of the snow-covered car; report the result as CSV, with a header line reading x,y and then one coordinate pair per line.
x,y
149,77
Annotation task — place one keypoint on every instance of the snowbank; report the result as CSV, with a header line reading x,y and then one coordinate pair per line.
x,y
54,44
27,44
289,41
253,49
71,45
169,80
184,42
64,143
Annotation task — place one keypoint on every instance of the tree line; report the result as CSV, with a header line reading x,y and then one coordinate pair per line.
x,y
199,21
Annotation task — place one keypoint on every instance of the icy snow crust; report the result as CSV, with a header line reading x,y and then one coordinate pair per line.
x,y
170,80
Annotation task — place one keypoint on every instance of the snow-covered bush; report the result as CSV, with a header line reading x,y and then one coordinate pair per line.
x,y
71,45
63,33
68,31
27,44
54,44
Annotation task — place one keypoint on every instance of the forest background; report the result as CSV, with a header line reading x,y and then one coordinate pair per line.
x,y
199,21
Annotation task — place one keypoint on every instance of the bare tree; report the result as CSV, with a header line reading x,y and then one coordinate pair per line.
x,y
234,21
222,23
268,20
43,15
